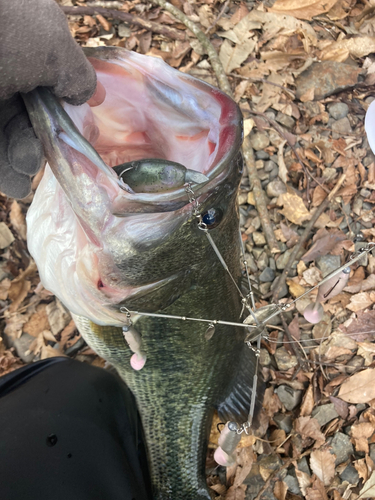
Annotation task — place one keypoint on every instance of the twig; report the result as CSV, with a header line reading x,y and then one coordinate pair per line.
x,y
301,361
205,42
129,18
259,196
304,237
224,8
285,465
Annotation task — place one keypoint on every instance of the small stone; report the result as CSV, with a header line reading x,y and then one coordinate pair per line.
x,y
289,397
272,263
284,360
269,166
304,466
284,289
369,99
364,192
262,155
124,30
283,259
328,263
263,176
259,239
329,174
292,484
251,262
338,110
255,222
285,120
259,141
267,275
372,452
326,78
350,474
257,252
275,188
6,236
324,414
341,447
283,421
264,288
264,358
22,345
262,262
259,164
354,363
274,173
342,126
275,139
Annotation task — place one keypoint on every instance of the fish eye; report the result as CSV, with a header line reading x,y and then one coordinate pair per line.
x,y
212,217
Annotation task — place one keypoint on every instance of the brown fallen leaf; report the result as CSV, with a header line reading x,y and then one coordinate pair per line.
x,y
305,9
360,301
236,493
6,236
367,351
340,50
307,402
362,327
4,288
359,388
232,56
360,433
340,406
368,489
323,245
317,491
37,322
18,291
304,480
280,490
271,402
294,208
322,463
309,427
17,219
361,468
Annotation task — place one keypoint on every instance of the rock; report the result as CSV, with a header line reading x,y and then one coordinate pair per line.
x,y
124,30
328,263
255,222
251,262
6,236
264,358
341,447
264,288
262,262
283,421
22,345
304,466
262,155
283,258
275,188
263,176
285,120
342,126
354,363
350,474
269,166
284,289
324,413
275,139
289,397
257,252
284,360
4,271
372,452
292,484
274,173
259,164
259,239
363,192
338,110
267,275
326,78
259,141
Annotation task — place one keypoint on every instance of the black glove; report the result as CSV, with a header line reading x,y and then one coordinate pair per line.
x,y
36,49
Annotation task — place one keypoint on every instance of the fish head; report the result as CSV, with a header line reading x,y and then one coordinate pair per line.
x,y
99,245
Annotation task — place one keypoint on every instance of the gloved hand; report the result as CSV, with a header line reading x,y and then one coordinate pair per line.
x,y
36,49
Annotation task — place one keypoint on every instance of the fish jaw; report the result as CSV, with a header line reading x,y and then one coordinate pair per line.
x,y
95,244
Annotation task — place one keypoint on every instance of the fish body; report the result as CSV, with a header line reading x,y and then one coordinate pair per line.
x,y
100,249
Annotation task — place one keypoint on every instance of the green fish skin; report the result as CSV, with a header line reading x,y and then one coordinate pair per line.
x,y
99,248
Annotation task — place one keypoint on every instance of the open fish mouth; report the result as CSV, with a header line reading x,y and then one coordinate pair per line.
x,y
90,219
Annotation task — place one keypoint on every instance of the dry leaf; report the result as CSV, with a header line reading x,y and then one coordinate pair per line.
x,y
6,236
309,427
359,388
340,406
359,302
304,480
302,9
246,458
277,437
362,469
4,288
236,493
368,490
367,351
322,464
340,50
18,291
280,490
37,322
360,433
294,208
323,245
317,491
307,402
360,328
233,56
17,219
283,171
58,316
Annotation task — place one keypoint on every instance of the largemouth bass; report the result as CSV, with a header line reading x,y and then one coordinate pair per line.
x,y
101,247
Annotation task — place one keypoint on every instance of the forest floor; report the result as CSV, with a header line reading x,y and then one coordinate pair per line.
x,y
303,74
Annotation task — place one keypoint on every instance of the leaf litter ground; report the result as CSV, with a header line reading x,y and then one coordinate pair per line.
x,y
302,74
